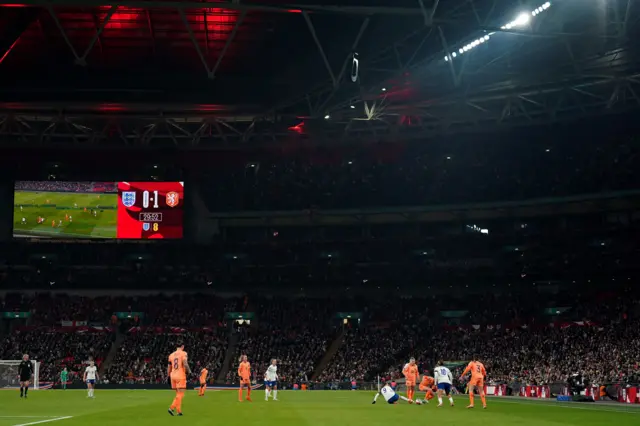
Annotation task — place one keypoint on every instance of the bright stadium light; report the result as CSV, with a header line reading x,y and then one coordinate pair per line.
x,y
521,20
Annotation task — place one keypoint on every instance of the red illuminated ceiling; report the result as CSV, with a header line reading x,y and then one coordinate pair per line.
x,y
132,33
210,24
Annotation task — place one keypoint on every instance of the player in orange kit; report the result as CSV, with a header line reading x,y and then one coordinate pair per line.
x,y
177,371
411,376
203,381
244,371
478,373
427,385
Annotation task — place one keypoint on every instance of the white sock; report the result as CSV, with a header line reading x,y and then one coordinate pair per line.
x,y
266,394
451,399
404,398
275,394
439,400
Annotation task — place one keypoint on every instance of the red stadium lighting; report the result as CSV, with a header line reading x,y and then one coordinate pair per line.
x,y
298,128
210,108
9,50
110,108
123,18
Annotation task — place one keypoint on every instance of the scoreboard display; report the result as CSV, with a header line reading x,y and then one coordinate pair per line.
x,y
150,210
108,210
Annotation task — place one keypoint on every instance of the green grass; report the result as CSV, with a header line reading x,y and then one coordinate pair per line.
x,y
312,408
55,205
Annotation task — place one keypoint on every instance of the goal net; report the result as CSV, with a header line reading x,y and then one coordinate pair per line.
x,y
9,376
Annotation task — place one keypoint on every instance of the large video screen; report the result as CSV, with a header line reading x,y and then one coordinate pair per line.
x,y
125,210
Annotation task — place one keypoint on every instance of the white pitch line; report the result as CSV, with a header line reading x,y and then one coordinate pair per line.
x,y
55,419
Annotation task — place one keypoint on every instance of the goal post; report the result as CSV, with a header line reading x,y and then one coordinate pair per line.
x,y
9,376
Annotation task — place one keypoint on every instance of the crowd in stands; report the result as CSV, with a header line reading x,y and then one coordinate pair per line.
x,y
595,333
296,333
362,353
57,350
142,357
426,174
187,310
601,346
196,319
61,186
602,354
60,331
388,329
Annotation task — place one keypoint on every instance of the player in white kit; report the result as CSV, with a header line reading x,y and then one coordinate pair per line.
x,y
90,377
391,396
271,381
444,381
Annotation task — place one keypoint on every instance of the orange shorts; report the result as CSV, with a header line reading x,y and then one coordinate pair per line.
x,y
425,388
477,381
410,383
244,381
178,382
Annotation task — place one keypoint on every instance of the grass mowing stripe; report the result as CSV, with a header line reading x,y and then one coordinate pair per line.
x,y
606,408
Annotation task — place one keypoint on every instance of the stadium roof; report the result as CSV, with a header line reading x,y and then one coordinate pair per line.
x,y
205,72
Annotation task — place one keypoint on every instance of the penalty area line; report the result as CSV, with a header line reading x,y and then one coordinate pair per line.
x,y
54,419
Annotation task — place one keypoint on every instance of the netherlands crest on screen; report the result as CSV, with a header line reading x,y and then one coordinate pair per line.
x,y
173,198
128,198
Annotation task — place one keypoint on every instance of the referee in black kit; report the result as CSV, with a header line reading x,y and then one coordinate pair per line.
x,y
25,369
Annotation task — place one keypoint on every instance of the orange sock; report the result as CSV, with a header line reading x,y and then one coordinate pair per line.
x,y
179,407
248,391
484,400
470,398
240,394
174,403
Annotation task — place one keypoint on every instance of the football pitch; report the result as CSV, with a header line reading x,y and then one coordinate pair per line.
x,y
294,408
64,215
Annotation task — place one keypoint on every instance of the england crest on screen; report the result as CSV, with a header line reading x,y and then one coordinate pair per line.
x,y
128,198
145,226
